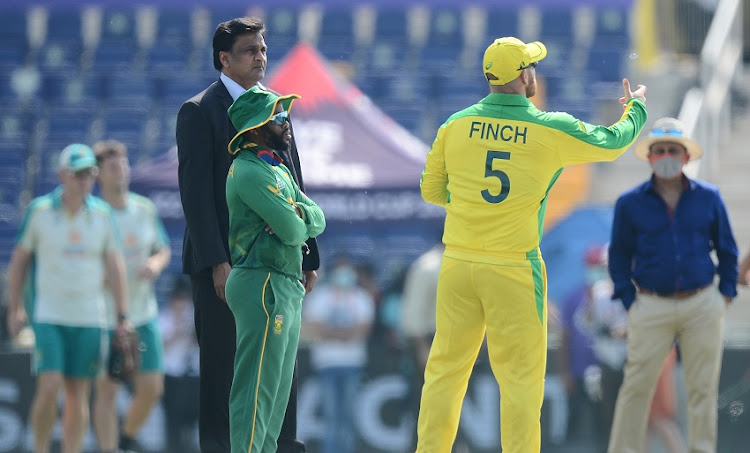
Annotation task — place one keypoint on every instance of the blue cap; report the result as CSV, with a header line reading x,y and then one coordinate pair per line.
x,y
77,157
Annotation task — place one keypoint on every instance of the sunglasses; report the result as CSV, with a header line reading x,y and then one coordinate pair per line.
x,y
531,65
86,173
280,118
672,150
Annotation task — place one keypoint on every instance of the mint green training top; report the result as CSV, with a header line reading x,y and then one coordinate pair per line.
x,y
259,194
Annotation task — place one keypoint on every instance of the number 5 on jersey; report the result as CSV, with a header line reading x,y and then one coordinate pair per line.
x,y
499,174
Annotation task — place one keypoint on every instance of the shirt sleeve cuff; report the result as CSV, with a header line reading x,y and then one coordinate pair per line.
x,y
626,296
728,289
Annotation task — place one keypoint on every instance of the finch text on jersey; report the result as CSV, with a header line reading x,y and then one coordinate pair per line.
x,y
496,131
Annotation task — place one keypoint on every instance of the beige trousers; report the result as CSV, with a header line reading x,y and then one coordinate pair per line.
x,y
654,323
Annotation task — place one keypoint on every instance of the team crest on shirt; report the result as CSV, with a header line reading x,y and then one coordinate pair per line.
x,y
280,182
277,324
74,237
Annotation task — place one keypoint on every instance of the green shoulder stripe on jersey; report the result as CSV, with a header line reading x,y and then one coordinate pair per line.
x,y
543,204
37,204
612,137
98,205
141,201
102,207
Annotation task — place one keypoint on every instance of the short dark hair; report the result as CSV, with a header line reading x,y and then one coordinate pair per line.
x,y
109,148
228,32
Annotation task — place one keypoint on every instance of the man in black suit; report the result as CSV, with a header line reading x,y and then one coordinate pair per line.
x,y
203,132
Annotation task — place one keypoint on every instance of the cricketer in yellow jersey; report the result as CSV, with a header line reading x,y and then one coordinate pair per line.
x,y
491,166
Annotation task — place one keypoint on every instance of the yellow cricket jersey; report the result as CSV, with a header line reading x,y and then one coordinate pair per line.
x,y
492,165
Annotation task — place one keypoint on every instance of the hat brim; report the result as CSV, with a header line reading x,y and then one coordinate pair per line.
x,y
235,145
642,148
537,51
82,165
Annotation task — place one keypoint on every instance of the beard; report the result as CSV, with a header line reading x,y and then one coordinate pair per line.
x,y
276,141
531,89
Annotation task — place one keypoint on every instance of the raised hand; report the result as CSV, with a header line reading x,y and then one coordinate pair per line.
x,y
639,93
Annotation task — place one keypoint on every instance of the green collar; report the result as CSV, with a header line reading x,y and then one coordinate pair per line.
x,y
506,99
57,198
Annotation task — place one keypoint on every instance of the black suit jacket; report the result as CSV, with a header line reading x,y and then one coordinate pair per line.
x,y
203,133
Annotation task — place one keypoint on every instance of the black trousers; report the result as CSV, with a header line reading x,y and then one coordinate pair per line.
x,y
215,329
180,410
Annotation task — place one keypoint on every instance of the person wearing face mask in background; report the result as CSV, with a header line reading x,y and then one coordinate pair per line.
x,y
337,319
663,234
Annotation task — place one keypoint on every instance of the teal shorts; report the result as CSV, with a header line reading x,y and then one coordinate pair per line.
x,y
152,348
75,352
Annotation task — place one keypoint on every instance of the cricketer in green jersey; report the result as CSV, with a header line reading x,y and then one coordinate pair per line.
x,y
269,221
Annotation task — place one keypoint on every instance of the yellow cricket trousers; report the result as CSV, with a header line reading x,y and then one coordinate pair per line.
x,y
507,298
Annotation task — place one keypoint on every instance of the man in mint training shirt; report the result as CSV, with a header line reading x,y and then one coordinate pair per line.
x,y
269,221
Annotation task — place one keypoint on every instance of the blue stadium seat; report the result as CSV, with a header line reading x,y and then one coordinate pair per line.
x,y
173,27
15,125
10,213
158,147
385,55
371,84
446,28
13,27
11,56
408,115
440,57
129,88
408,88
500,22
114,57
607,63
173,91
336,48
64,25
20,86
279,47
469,84
202,59
564,89
72,88
13,154
338,22
72,122
557,25
612,24
336,39
118,27
391,24
126,120
168,58
224,12
56,56
282,24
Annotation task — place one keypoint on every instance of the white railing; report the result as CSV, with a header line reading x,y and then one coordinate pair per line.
x,y
706,108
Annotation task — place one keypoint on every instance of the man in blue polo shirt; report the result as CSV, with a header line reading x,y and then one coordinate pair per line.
x,y
663,233
72,238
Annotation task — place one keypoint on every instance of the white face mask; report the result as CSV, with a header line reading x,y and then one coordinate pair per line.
x,y
667,167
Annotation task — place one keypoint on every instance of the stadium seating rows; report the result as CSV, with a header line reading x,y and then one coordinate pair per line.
x,y
84,74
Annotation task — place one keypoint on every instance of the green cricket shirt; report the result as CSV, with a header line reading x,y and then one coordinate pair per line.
x,y
259,194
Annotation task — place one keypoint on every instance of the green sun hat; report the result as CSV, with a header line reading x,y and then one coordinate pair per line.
x,y
253,109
